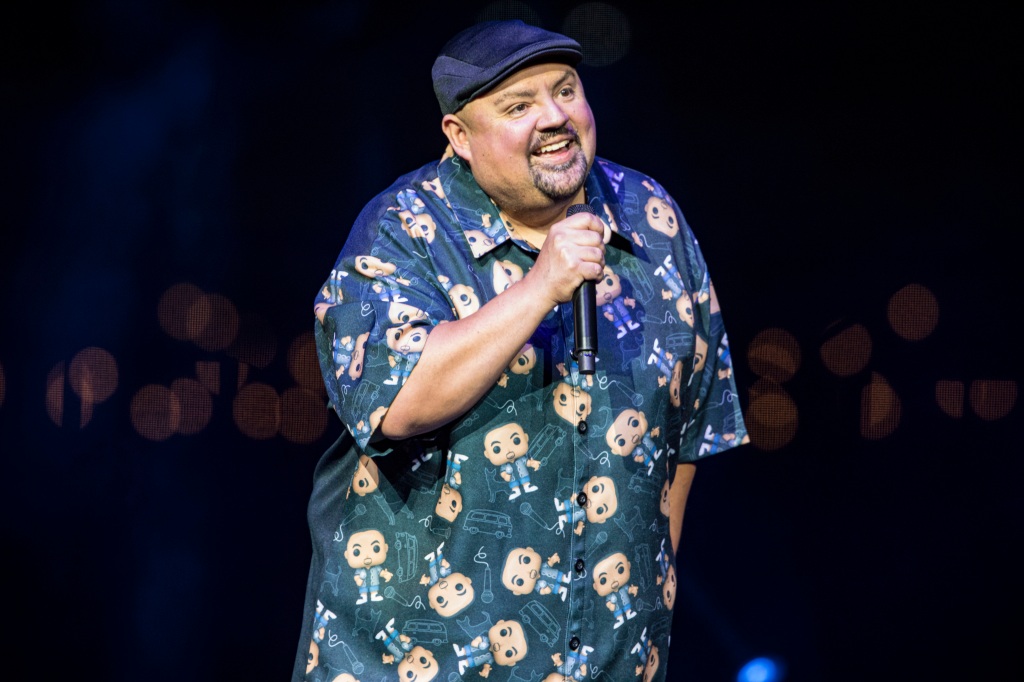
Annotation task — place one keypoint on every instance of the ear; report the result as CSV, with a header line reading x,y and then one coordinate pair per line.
x,y
457,132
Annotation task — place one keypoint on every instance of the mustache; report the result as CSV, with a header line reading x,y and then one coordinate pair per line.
x,y
549,135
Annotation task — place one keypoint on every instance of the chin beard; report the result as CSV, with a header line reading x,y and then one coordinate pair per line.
x,y
559,183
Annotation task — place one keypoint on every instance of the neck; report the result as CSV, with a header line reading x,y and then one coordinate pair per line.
x,y
532,226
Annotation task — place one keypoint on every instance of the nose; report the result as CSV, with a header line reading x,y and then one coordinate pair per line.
x,y
552,115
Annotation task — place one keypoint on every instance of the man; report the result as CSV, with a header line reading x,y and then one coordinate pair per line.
x,y
521,506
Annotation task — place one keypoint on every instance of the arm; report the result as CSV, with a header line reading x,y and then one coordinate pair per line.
x,y
463,359
677,494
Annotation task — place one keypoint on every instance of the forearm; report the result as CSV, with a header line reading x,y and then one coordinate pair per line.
x,y
463,359
677,494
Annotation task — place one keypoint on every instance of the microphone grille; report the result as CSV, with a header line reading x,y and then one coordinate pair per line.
x,y
579,208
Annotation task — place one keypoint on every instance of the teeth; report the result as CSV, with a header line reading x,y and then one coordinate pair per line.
x,y
552,147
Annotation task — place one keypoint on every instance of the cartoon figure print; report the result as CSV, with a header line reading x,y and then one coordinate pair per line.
x,y
660,214
386,284
507,447
674,281
449,502
504,644
321,618
397,644
571,403
416,222
573,669
450,592
524,573
599,502
648,654
524,361
405,343
330,295
611,581
366,552
614,305
628,436
366,480
418,665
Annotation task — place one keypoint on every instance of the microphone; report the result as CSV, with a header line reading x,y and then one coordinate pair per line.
x,y
584,310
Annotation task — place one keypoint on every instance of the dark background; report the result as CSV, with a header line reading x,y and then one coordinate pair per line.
x,y
828,155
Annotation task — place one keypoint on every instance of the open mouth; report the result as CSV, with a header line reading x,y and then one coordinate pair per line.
x,y
554,148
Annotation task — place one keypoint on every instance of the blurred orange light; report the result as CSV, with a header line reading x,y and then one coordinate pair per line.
x,y
991,399
55,394
880,408
303,364
257,411
196,405
156,412
772,418
181,311
93,378
774,354
847,352
949,395
913,312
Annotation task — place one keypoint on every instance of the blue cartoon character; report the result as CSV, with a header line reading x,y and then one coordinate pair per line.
x,y
449,502
396,643
386,285
406,343
661,216
524,573
504,644
597,504
611,581
628,437
573,668
614,305
366,552
648,655
507,447
450,592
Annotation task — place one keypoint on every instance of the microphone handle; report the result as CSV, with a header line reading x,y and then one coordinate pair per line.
x,y
584,308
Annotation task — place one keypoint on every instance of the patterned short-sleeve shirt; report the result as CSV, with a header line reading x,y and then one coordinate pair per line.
x,y
529,538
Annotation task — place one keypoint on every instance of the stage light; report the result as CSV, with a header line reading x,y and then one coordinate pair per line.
x,y
760,670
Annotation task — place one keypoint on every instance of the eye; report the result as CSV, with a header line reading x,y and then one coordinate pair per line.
x,y
356,552
655,211
519,582
525,559
608,281
634,422
496,449
504,632
508,654
566,91
516,440
621,569
603,580
376,548
459,587
620,441
601,510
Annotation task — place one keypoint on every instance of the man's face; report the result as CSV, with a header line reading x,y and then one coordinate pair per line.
x,y
531,140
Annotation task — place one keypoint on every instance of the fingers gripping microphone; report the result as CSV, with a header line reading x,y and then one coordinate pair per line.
x,y
584,309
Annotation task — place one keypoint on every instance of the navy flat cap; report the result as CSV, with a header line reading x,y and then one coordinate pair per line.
x,y
481,56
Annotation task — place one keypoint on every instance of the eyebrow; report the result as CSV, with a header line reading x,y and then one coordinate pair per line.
x,y
529,92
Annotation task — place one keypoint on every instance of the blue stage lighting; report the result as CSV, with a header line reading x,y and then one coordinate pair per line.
x,y
760,670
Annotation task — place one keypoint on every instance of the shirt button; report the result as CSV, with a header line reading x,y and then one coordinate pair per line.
x,y
580,565
582,427
581,499
574,643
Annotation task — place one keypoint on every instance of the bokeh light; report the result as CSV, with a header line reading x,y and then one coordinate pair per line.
x,y
993,399
92,376
155,412
880,408
913,312
257,411
221,324
760,670
256,344
772,417
303,364
949,396
774,354
195,403
848,351
180,310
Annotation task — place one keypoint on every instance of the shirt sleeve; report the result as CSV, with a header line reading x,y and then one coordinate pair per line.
x,y
712,415
373,316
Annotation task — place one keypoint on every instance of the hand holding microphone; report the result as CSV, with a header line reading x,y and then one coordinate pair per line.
x,y
584,308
